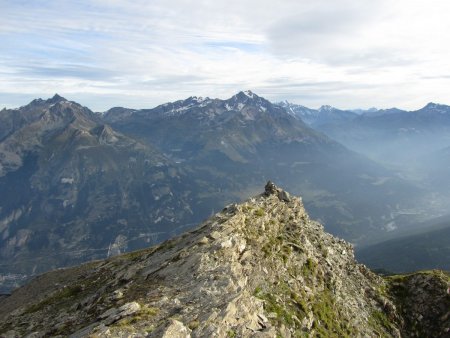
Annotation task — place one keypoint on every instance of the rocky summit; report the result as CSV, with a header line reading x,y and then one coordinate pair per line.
x,y
262,268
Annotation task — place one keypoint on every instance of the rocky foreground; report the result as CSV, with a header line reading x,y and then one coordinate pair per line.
x,y
258,269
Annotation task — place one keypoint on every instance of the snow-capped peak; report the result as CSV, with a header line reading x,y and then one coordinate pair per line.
x,y
199,99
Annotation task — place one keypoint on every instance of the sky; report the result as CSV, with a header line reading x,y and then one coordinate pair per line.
x,y
138,54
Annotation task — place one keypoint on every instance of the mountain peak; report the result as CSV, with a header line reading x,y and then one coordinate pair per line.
x,y
246,95
56,98
432,105
326,108
197,99
436,107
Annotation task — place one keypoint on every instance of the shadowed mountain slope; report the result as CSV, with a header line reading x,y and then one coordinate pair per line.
x,y
73,189
428,249
238,143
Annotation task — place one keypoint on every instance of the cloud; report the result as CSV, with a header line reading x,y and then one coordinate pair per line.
x,y
339,33
345,53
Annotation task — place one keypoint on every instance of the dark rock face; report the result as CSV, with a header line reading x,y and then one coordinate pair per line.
x,y
257,269
424,303
272,189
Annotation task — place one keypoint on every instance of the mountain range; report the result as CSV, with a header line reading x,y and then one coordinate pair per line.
x,y
246,140
317,117
73,189
390,136
415,144
81,185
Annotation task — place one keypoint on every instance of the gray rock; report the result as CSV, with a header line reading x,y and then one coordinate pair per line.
x,y
173,329
284,196
114,314
270,189
11,334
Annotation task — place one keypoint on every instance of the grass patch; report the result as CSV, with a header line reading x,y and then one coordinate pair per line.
x,y
259,212
291,307
378,319
145,314
309,268
194,324
57,297
231,334
286,304
328,322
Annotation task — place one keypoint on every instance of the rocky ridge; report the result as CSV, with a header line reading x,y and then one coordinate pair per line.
x,y
262,268
317,117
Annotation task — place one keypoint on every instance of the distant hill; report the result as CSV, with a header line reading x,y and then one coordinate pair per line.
x,y
425,250
317,117
414,144
394,135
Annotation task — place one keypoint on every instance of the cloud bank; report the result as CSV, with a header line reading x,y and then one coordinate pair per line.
x,y
142,53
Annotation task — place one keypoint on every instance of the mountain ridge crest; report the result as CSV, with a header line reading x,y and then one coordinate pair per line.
x,y
261,268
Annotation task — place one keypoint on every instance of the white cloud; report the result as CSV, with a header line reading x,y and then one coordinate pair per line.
x,y
141,53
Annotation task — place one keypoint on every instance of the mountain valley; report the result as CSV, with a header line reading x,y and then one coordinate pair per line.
x,y
80,185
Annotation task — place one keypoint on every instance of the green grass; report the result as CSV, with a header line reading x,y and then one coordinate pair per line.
x,y
291,307
193,324
328,322
283,302
145,314
57,297
231,334
378,319
309,268
259,212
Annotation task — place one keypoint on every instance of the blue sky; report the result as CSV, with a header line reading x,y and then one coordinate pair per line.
x,y
139,54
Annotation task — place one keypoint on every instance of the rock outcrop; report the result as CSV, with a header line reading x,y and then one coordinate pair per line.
x,y
423,301
262,268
